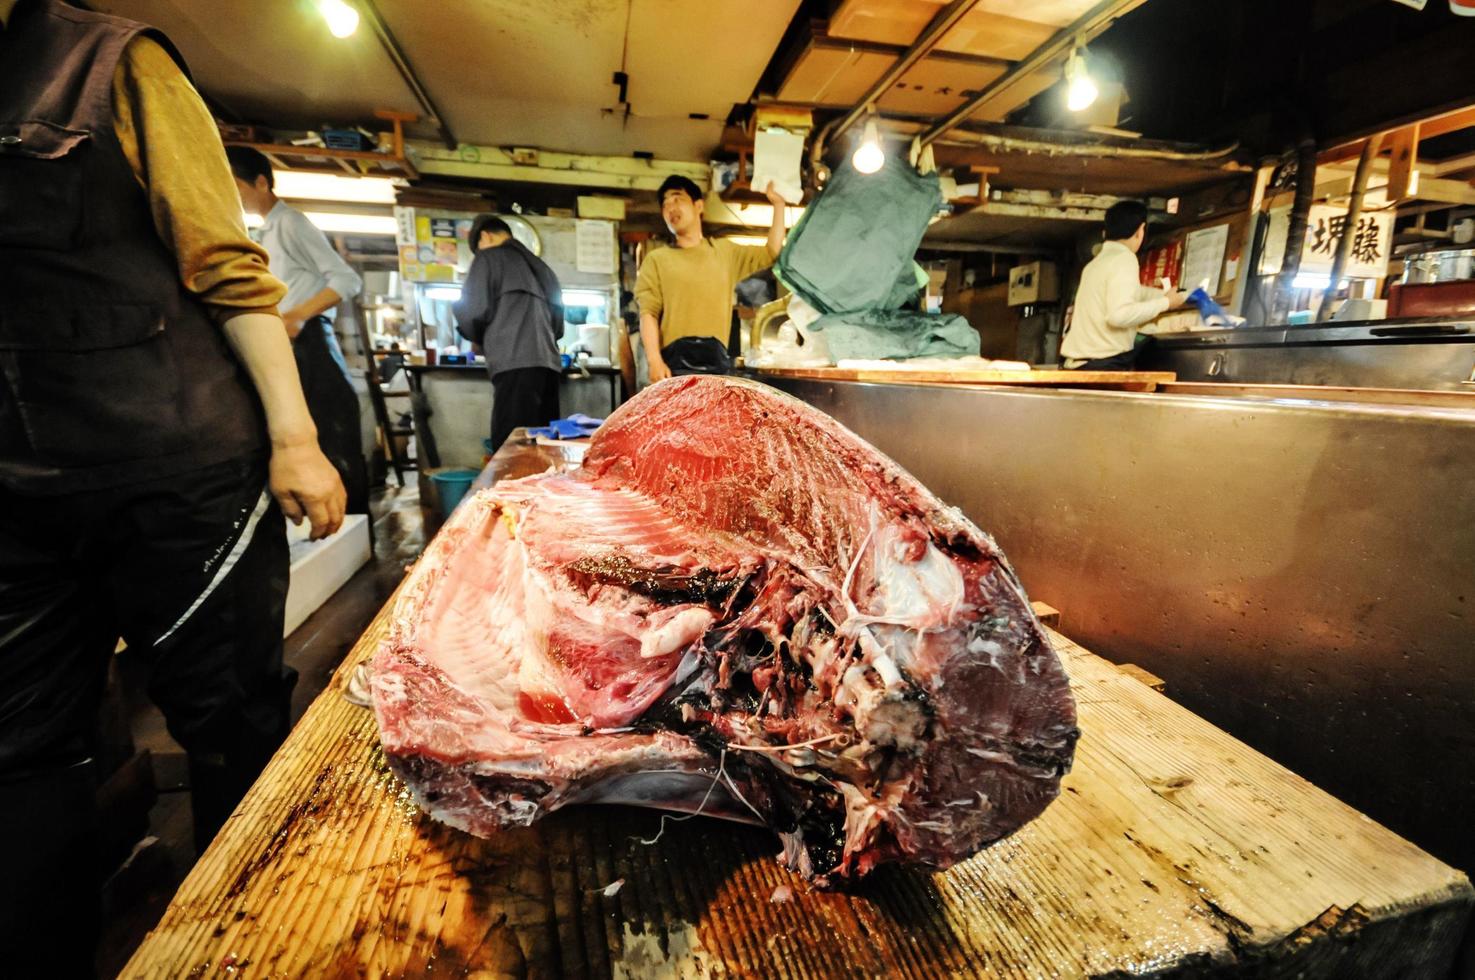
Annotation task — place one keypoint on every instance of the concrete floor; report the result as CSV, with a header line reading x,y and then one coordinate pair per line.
x,y
136,896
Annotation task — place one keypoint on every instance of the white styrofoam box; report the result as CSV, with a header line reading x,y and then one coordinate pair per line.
x,y
320,568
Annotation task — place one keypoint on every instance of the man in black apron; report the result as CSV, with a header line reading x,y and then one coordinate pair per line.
x,y
152,434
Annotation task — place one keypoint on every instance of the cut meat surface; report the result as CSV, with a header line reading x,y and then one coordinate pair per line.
x,y
738,608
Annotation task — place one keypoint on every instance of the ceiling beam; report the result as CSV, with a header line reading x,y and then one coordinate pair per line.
x,y
1089,26
402,64
1446,191
1050,212
1453,165
945,20
1069,200
495,163
1440,125
959,245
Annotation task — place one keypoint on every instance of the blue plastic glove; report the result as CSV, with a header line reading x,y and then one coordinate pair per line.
x,y
576,426
1210,312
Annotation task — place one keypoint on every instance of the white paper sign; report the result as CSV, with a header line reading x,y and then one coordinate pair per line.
x,y
404,233
1203,257
776,157
595,251
1372,242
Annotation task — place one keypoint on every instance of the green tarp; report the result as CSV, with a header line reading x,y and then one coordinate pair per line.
x,y
851,258
879,334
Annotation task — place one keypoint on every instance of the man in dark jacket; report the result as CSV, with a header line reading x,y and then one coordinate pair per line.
x,y
511,304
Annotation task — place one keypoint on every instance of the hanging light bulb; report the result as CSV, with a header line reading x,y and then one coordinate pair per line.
x,y
1080,90
342,19
869,156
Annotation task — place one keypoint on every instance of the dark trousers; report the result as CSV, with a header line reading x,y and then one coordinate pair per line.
x,y
1125,361
522,396
192,573
334,407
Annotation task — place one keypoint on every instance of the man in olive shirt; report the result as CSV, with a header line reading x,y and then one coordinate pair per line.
x,y
686,292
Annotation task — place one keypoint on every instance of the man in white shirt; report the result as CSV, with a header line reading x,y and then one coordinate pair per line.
x,y
317,280
1111,303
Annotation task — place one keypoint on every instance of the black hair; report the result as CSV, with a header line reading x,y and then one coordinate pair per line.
x,y
676,182
1124,218
248,164
485,222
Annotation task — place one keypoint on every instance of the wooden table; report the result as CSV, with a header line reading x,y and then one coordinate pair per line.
x,y
1173,848
1108,380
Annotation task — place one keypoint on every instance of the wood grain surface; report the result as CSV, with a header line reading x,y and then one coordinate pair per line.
x,y
1121,380
1173,850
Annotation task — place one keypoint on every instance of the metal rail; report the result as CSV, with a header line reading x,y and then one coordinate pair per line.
x,y
407,72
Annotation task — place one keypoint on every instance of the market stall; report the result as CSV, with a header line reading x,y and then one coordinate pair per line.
x,y
1179,340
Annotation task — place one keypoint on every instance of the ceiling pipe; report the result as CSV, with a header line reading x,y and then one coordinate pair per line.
x,y
406,71
1090,25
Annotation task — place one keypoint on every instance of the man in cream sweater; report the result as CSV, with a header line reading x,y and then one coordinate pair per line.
x,y
1111,303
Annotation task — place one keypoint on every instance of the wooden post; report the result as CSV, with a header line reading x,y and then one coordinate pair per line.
x,y
1296,234
1403,147
1248,290
1370,151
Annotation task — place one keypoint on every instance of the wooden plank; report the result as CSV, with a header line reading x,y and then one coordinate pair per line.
x,y
1128,380
1403,150
1173,847
1143,676
1046,613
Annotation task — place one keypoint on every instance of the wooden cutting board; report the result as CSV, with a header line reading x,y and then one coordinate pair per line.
x,y
1118,380
1173,848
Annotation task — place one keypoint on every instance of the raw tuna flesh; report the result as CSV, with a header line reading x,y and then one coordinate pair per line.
x,y
738,608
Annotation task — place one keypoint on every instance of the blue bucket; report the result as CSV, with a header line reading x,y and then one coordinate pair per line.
x,y
451,486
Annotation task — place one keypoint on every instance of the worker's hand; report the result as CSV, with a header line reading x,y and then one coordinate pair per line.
x,y
658,370
1176,298
293,324
306,485
774,197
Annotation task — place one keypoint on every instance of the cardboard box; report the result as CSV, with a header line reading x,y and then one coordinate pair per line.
x,y
602,206
1034,282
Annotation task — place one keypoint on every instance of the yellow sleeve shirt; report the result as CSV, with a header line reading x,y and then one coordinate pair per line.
x,y
174,149
690,290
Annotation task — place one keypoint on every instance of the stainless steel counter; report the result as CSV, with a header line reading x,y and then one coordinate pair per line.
x,y
1301,574
1426,354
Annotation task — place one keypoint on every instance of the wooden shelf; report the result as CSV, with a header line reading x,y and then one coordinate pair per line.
x,y
350,161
